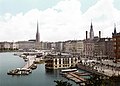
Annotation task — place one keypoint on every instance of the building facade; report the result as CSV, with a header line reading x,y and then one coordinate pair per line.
x,y
9,45
116,44
61,60
103,48
74,46
89,42
25,45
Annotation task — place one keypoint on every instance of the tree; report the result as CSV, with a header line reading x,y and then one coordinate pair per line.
x,y
97,80
62,83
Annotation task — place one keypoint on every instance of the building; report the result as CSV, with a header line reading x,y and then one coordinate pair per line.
x,y
31,44
14,45
74,46
8,46
45,45
59,46
103,48
60,60
98,47
116,44
4,45
89,42
26,45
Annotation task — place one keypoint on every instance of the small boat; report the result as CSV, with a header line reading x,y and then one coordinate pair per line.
x,y
26,60
68,70
34,66
20,71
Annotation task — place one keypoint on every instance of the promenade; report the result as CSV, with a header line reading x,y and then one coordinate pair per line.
x,y
103,67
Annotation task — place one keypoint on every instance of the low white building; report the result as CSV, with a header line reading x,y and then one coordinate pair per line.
x,y
60,60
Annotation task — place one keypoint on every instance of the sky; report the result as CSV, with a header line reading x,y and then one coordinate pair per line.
x,y
59,20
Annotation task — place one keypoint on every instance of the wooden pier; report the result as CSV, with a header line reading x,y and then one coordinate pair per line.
x,y
76,76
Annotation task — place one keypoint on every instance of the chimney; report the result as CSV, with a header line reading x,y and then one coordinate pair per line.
x,y
86,34
99,34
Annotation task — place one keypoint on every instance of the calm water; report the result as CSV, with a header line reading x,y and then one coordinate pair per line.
x,y
39,77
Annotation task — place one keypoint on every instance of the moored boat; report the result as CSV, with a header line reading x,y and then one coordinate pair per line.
x,y
68,70
20,71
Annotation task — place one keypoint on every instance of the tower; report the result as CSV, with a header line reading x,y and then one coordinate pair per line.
x,y
91,32
115,28
99,34
37,34
37,43
86,34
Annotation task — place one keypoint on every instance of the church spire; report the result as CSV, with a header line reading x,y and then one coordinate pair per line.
x,y
115,28
91,31
37,34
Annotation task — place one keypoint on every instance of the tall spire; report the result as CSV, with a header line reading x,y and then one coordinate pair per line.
x,y
37,34
115,28
91,31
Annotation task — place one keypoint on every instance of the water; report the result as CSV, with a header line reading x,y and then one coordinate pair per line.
x,y
39,77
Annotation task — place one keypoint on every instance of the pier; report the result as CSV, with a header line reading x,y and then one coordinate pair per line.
x,y
26,69
30,62
76,76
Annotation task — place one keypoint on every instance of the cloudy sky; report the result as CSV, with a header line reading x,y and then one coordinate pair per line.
x,y
59,20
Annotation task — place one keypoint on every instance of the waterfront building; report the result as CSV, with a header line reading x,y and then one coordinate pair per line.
x,y
74,46
31,44
88,48
14,45
8,45
103,48
89,42
4,45
98,47
25,45
116,44
60,60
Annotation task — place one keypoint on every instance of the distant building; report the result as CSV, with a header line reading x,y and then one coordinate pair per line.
x,y
95,46
26,45
32,43
116,43
103,48
8,46
74,46
45,45
61,60
14,45
59,46
5,45
89,42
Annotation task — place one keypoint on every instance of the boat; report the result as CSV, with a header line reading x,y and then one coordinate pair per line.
x,y
20,71
26,59
33,66
68,70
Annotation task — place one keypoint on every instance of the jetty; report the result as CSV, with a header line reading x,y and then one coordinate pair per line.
x,y
26,69
30,62
75,77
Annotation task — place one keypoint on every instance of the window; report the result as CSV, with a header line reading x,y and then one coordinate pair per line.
x,y
55,61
